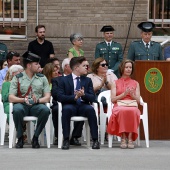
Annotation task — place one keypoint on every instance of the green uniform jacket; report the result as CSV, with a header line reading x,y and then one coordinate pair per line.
x,y
3,51
138,51
113,54
39,84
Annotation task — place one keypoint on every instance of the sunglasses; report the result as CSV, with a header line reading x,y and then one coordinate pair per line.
x,y
104,64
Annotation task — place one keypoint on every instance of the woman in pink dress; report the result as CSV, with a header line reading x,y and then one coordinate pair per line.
x,y
125,120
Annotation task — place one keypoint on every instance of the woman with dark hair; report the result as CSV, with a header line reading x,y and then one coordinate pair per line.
x,y
101,77
50,71
124,121
77,41
3,64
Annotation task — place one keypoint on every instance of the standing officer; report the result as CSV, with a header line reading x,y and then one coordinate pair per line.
x,y
29,91
3,51
145,49
108,49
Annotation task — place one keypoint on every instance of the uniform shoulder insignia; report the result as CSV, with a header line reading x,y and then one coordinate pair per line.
x,y
101,42
136,41
19,75
155,42
40,75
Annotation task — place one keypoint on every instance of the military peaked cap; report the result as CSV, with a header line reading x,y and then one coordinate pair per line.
x,y
31,57
146,26
107,28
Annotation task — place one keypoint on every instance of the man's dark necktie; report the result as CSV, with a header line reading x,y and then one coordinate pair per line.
x,y
109,46
78,87
147,46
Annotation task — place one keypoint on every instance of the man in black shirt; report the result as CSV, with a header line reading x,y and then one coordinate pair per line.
x,y
40,46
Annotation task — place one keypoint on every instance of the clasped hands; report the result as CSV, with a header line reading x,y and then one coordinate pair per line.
x,y
130,91
31,101
79,93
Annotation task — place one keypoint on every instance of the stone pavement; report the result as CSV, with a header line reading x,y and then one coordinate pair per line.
x,y
157,157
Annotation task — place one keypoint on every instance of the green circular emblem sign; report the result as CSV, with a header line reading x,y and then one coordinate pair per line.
x,y
153,80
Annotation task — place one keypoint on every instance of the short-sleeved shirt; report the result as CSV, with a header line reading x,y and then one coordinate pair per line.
x,y
39,84
3,51
75,54
43,50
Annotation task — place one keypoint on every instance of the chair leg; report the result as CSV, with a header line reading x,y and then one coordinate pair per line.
x,y
102,129
145,126
47,129
87,133
11,133
3,126
110,139
84,133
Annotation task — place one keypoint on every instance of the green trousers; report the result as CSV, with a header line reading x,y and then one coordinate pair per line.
x,y
41,111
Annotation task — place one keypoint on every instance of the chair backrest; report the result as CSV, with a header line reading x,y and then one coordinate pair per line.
x,y
105,94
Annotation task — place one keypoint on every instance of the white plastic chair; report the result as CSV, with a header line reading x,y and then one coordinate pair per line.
x,y
74,118
12,131
52,127
103,116
3,121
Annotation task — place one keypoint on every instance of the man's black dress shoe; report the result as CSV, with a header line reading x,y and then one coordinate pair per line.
x,y
75,141
66,145
20,142
35,143
96,145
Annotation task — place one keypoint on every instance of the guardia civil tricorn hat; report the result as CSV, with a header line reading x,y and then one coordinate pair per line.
x,y
31,57
146,26
107,28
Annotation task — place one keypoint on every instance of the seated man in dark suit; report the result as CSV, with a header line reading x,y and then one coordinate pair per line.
x,y
75,92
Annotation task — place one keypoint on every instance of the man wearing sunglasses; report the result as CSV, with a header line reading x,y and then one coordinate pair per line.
x,y
12,58
108,49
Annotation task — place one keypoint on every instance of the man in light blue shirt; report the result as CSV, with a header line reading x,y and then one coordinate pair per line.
x,y
12,58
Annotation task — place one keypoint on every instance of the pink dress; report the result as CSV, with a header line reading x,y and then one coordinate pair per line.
x,y
124,119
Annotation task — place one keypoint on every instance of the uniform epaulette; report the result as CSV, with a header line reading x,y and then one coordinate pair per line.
x,y
40,75
102,42
19,75
136,40
155,42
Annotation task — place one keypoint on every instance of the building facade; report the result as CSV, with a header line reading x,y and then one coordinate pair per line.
x,y
64,17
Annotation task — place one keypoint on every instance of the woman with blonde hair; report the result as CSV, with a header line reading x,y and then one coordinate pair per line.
x,y
12,71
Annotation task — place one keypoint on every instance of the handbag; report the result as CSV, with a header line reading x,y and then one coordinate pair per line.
x,y
127,103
